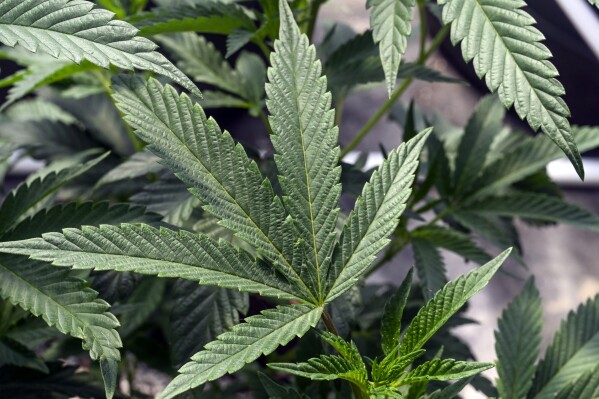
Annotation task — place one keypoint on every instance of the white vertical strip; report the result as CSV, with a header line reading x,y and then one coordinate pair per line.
x,y
585,20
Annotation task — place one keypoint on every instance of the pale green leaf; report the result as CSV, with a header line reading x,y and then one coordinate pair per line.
x,y
65,303
573,352
537,206
217,170
138,165
73,30
594,2
161,252
375,216
38,109
391,320
257,335
391,23
507,51
447,302
528,158
518,343
443,370
199,59
305,141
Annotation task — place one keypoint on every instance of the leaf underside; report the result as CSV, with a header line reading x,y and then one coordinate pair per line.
x,y
506,50
73,30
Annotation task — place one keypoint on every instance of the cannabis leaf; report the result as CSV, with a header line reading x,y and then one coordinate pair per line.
x,y
572,352
446,302
161,252
517,343
217,170
305,142
507,51
391,320
374,216
206,17
391,23
443,370
73,30
430,266
257,335
66,303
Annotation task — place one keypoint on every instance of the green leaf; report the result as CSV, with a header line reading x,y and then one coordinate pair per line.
x,y
219,99
206,17
90,34
65,303
451,391
375,216
453,241
537,206
326,368
483,126
430,266
170,198
305,142
507,51
38,109
585,387
391,320
518,343
140,305
348,350
573,352
391,23
446,302
594,2
47,71
217,170
198,58
13,353
78,214
28,194
443,370
200,314
140,164
528,158
257,335
161,252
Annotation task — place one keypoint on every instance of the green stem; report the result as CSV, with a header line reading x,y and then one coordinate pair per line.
x,y
438,39
376,117
263,47
330,325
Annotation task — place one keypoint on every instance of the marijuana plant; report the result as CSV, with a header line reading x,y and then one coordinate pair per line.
x,y
246,253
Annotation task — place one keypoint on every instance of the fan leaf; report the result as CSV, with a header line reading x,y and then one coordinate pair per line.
x,y
73,30
443,370
391,23
161,252
217,170
446,302
518,343
507,51
375,216
305,141
257,335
